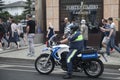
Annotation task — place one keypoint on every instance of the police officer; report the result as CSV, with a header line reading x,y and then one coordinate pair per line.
x,y
76,45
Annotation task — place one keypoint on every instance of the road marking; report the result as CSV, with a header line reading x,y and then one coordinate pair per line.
x,y
24,66
2,66
111,78
33,71
111,73
56,71
16,64
118,78
32,67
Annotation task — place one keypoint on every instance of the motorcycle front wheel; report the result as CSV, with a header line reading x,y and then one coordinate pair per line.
x,y
44,65
94,68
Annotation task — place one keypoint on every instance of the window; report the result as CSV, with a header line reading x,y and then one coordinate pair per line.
x,y
91,11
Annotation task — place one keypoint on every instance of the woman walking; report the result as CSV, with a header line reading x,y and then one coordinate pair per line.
x,y
13,34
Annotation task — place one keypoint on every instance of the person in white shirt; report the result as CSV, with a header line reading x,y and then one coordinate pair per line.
x,y
13,34
84,31
21,33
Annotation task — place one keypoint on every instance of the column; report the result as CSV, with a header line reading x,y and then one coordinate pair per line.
x,y
111,9
52,13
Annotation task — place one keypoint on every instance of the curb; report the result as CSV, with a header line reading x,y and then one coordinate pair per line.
x,y
21,48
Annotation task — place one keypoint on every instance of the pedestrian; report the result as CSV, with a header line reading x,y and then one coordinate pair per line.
x,y
111,36
13,34
66,28
101,35
84,31
50,32
4,39
106,33
30,29
9,22
21,33
76,45
2,32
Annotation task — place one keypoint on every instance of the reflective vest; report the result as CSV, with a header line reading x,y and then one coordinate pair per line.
x,y
79,38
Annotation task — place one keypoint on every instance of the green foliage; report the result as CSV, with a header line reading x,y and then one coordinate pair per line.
x,y
5,15
28,7
17,18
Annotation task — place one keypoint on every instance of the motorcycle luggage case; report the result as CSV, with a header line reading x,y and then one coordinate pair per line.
x,y
89,54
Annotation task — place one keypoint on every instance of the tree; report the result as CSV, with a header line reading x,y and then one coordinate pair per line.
x,y
1,5
28,7
19,17
5,15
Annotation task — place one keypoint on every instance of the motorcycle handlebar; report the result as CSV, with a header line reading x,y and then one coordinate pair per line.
x,y
50,41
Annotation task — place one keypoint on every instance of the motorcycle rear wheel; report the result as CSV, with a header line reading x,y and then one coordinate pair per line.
x,y
94,68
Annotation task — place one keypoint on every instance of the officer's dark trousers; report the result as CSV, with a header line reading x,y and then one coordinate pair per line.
x,y
70,58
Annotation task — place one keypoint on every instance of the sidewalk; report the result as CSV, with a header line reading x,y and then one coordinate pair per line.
x,y
113,60
21,53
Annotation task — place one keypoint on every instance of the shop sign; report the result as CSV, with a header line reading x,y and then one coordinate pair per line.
x,y
76,9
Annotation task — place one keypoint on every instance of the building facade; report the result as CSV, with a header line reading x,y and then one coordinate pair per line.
x,y
14,7
91,10
11,1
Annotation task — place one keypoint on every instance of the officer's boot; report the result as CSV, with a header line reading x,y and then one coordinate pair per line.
x,y
67,76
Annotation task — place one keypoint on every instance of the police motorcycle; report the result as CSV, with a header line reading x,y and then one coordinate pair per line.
x,y
55,55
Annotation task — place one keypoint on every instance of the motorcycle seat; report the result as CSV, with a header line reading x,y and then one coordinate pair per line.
x,y
88,51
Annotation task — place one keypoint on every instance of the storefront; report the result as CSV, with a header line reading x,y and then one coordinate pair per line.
x,y
90,10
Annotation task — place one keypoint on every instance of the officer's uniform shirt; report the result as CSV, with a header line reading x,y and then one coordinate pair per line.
x,y
76,41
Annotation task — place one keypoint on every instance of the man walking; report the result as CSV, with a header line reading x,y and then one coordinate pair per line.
x,y
111,36
84,31
66,28
30,29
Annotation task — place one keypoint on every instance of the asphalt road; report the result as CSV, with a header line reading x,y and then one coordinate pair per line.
x,y
24,70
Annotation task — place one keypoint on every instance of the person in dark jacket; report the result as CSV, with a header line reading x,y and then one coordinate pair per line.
x,y
50,31
2,32
75,45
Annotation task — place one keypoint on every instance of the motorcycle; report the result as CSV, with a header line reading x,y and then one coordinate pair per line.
x,y
55,55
